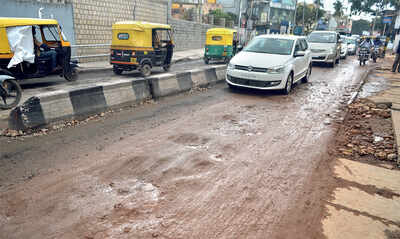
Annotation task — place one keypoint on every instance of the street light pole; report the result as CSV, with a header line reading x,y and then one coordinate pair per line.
x,y
304,6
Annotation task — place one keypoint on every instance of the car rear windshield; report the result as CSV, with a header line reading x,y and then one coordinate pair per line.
x,y
322,37
270,46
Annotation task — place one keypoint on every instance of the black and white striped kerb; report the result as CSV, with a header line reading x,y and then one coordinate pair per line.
x,y
61,105
81,102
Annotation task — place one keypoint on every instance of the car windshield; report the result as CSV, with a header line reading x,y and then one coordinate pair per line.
x,y
322,37
270,46
351,41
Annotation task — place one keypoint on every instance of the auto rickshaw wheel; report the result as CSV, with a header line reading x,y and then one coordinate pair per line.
x,y
167,67
227,60
117,71
72,75
145,70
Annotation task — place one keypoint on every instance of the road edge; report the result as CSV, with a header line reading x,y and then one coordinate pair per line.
x,y
47,108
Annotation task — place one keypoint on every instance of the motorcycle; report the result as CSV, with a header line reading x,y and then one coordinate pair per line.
x,y
375,53
10,92
363,55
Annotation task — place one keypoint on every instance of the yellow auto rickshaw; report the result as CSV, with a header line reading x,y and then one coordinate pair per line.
x,y
221,44
141,46
32,48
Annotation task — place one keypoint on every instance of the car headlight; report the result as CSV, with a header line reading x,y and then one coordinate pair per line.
x,y
276,69
231,66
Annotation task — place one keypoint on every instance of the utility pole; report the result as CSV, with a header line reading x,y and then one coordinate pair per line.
x,y
304,6
240,21
316,12
295,15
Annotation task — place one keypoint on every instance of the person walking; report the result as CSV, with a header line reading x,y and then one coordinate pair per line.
x,y
396,62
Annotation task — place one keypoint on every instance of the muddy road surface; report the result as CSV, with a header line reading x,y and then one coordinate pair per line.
x,y
210,164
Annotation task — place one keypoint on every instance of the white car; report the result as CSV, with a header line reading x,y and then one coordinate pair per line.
x,y
325,47
343,48
271,62
351,46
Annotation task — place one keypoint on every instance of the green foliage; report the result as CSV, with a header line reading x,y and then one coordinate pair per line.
x,y
360,26
218,13
369,6
309,16
338,8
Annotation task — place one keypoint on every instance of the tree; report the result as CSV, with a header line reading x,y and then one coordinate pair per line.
x,y
338,8
309,16
360,26
370,6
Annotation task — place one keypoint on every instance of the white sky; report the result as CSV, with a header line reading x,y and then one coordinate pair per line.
x,y
328,6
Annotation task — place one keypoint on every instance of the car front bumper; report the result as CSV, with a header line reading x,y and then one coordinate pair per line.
x,y
256,80
323,57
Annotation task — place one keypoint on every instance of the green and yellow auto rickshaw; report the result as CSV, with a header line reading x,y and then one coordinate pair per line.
x,y
221,44
141,46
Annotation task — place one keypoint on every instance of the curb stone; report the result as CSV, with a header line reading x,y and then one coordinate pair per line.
x,y
51,107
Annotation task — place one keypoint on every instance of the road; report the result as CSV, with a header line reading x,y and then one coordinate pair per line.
x,y
211,164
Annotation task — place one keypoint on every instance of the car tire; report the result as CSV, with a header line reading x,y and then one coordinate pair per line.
x,y
333,64
289,84
306,78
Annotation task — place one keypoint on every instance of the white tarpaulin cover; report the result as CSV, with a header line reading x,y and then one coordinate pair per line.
x,y
21,44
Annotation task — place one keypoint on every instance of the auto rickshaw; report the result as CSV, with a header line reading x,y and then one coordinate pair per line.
x,y
141,46
221,44
31,48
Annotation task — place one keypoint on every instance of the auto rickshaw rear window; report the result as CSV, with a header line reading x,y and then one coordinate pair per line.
x,y
217,38
51,33
123,36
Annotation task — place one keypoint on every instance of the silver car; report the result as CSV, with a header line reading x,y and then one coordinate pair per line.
x,y
325,47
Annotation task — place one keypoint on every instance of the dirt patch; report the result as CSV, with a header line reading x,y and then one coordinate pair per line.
x,y
367,134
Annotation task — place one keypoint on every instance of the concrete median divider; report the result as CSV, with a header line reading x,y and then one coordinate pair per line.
x,y
76,103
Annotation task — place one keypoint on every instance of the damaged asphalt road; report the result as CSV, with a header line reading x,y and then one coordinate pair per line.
x,y
212,164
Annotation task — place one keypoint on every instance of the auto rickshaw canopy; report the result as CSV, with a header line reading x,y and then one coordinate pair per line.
x,y
220,36
135,33
5,22
13,22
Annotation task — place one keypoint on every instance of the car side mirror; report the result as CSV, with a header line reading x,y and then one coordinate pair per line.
x,y
299,53
239,48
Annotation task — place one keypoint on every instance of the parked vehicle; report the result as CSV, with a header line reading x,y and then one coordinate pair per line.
x,y
351,46
10,92
325,47
31,48
271,62
141,46
363,55
221,44
343,48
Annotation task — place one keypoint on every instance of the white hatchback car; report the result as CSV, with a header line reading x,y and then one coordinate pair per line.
x,y
271,62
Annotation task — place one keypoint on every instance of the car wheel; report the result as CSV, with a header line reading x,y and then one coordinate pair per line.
x,y
333,64
145,70
289,83
306,78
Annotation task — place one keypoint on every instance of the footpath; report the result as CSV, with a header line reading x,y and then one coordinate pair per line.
x,y
365,198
